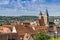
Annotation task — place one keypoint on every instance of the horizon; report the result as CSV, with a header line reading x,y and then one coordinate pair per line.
x,y
29,7
26,15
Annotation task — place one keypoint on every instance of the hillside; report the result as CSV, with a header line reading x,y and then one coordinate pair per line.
x,y
9,19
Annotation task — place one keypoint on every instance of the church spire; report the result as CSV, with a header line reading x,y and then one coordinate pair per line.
x,y
40,13
47,13
47,17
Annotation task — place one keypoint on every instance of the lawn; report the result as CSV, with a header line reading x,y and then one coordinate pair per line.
x,y
55,38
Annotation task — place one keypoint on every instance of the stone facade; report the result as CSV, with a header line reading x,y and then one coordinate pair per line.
x,y
44,17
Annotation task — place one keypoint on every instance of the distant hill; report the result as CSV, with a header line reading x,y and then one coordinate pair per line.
x,y
9,19
52,18
18,18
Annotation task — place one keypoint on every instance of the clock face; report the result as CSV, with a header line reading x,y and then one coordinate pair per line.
x,y
4,2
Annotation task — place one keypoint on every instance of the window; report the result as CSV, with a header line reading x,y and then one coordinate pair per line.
x,y
42,17
9,39
41,24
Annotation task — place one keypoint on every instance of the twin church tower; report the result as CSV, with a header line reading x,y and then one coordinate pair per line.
x,y
43,19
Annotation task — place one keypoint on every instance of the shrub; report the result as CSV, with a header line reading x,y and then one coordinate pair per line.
x,y
41,36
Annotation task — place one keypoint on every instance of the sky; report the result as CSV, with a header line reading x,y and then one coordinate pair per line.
x,y
29,7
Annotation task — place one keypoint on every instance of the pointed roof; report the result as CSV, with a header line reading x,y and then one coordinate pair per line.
x,y
47,12
40,13
21,29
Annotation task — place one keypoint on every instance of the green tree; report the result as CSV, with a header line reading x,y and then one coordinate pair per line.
x,y
41,36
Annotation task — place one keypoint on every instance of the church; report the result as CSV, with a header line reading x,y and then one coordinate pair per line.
x,y
43,19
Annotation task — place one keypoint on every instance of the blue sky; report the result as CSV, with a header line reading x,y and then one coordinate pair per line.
x,y
29,7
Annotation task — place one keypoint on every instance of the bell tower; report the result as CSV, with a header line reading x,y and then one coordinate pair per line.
x,y
41,19
40,16
46,18
47,15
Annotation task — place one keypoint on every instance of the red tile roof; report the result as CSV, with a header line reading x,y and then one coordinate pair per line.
x,y
4,30
8,26
22,30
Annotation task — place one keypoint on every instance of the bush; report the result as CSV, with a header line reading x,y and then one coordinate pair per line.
x,y
41,36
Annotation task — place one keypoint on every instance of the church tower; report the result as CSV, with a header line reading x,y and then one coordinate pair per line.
x,y
41,19
46,18
40,16
47,15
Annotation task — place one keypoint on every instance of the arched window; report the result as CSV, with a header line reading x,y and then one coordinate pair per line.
x,y
42,17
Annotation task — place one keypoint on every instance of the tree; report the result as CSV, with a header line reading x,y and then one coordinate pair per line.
x,y
41,36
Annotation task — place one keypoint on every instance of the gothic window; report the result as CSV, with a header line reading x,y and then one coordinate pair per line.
x,y
41,24
42,17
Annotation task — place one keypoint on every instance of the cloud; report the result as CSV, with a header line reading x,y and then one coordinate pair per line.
x,y
32,8
4,1
42,1
34,0
53,9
